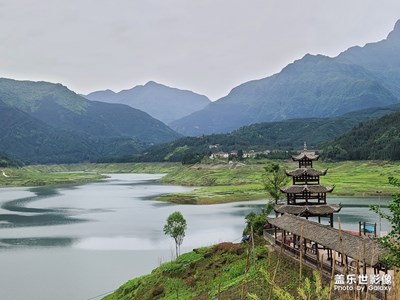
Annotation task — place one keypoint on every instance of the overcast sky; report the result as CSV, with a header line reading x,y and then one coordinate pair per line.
x,y
208,46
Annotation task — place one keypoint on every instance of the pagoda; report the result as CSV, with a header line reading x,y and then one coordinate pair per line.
x,y
306,197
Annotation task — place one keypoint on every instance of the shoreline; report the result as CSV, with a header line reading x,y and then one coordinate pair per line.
x,y
212,183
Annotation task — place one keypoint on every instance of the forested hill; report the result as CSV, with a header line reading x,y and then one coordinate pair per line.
x,y
284,135
59,107
42,122
6,162
377,139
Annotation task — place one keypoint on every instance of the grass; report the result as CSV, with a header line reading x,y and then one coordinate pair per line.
x,y
361,178
33,176
227,183
223,271
215,183
38,175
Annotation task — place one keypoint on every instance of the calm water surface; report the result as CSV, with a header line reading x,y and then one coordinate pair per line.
x,y
77,242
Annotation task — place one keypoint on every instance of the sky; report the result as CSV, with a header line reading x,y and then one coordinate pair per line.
x,y
207,46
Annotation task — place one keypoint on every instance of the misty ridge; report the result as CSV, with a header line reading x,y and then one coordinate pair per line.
x,y
43,122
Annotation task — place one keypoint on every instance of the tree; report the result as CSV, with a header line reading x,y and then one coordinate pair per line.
x,y
191,158
175,228
273,179
240,154
257,221
391,241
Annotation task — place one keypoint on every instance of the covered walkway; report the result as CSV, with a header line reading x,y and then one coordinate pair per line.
x,y
323,247
324,243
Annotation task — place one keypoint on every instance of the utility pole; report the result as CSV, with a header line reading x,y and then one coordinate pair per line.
x,y
380,218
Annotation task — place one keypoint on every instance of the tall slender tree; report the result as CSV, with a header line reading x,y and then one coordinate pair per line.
x,y
392,240
273,179
175,228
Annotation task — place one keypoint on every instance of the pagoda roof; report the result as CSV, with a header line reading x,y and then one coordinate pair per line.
x,y
305,171
305,154
357,247
316,210
314,188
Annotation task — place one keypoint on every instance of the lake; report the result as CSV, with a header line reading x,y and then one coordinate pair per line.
x,y
82,241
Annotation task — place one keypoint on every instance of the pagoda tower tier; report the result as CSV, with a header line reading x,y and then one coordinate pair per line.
x,y
306,197
308,210
305,158
306,175
306,194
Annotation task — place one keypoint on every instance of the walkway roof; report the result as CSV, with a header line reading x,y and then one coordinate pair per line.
x,y
357,247
315,210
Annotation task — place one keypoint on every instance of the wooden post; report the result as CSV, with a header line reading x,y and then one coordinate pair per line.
x,y
301,251
252,244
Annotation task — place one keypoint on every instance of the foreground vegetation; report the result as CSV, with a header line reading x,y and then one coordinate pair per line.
x,y
224,271
235,271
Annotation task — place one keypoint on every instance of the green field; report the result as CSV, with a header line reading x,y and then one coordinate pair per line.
x,y
223,183
39,175
214,183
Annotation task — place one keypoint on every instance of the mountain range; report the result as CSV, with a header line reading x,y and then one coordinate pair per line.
x,y
316,98
314,86
161,102
283,135
45,122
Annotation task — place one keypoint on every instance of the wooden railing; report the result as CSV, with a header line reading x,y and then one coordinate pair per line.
x,y
268,235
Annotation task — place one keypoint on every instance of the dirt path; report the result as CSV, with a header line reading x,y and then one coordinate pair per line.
x,y
4,174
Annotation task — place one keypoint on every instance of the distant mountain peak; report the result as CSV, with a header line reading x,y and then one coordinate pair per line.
x,y
395,33
160,101
108,91
151,82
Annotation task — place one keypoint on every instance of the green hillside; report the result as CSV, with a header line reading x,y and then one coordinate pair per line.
x,y
28,95
284,135
7,162
42,122
61,108
224,271
377,139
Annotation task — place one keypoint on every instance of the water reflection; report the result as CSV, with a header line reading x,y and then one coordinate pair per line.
x,y
36,242
49,219
59,235
30,216
120,213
